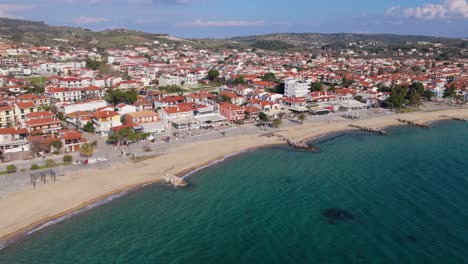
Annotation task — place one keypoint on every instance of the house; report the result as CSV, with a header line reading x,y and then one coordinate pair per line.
x,y
7,116
252,113
104,121
146,121
233,113
88,106
123,109
13,140
178,117
165,101
72,140
43,126
39,115
79,118
22,109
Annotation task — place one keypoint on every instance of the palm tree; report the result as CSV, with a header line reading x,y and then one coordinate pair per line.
x,y
301,117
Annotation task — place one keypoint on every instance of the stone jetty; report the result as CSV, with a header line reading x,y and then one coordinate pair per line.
x,y
412,123
456,118
174,181
300,145
370,130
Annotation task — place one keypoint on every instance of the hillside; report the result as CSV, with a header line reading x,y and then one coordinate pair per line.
x,y
39,33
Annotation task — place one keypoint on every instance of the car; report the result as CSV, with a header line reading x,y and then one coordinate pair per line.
x,y
77,162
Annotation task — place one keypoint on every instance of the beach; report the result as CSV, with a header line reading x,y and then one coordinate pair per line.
x,y
28,208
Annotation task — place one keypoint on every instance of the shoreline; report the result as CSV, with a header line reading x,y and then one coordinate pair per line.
x,y
12,231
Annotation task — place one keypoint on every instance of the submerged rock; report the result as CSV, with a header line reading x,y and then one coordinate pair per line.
x,y
335,214
174,180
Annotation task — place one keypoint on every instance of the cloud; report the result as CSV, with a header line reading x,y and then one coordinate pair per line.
x,y
392,10
84,20
448,9
223,23
8,10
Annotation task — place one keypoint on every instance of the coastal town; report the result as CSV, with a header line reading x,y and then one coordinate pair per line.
x,y
64,100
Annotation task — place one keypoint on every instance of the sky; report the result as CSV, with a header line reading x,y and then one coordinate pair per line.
x,y
229,18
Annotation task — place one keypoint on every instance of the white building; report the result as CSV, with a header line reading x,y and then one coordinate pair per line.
x,y
87,106
295,88
188,80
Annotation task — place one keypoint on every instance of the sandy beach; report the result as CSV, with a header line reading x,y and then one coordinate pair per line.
x,y
28,208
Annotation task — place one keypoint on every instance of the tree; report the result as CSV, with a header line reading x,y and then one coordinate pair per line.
x,y
89,127
37,146
117,96
346,82
358,98
225,98
213,74
277,122
301,117
263,117
428,95
316,86
450,92
87,150
332,89
92,64
239,80
415,99
269,77
50,163
123,119
397,96
417,87
34,167
67,159
11,169
57,145
108,70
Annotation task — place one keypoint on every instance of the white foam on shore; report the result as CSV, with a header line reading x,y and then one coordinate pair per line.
x,y
106,200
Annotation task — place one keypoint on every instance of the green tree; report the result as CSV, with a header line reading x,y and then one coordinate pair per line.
x,y
225,98
50,163
92,64
87,150
67,159
417,87
301,117
11,169
358,98
123,119
213,74
428,95
316,86
450,92
89,127
117,96
415,99
397,96
277,122
57,145
263,117
269,77
239,80
332,89
346,82
34,167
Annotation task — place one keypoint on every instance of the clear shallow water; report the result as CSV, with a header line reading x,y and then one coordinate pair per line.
x,y
408,193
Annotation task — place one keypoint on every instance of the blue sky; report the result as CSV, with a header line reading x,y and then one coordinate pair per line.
x,y
227,18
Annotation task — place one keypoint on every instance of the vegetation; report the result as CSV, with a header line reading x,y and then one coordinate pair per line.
x,y
127,134
277,122
49,163
263,117
117,96
34,167
57,145
269,77
450,92
93,64
316,86
87,150
67,159
89,127
225,98
239,80
346,82
272,45
398,96
213,74
11,169
301,117
171,89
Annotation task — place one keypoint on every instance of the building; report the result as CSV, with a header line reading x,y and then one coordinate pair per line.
x,y
231,112
7,116
104,121
295,88
72,140
179,117
43,126
145,121
13,140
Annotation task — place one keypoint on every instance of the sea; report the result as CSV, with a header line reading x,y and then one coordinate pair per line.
x,y
365,198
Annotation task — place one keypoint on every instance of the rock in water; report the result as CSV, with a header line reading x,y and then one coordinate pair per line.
x,y
335,214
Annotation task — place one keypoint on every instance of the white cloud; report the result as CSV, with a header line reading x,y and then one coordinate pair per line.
x,y
223,23
83,20
392,10
9,10
449,9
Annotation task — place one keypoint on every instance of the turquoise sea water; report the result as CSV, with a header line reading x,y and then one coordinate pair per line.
x,y
407,193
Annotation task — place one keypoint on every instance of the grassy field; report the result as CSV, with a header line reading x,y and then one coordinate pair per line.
x,y
38,80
